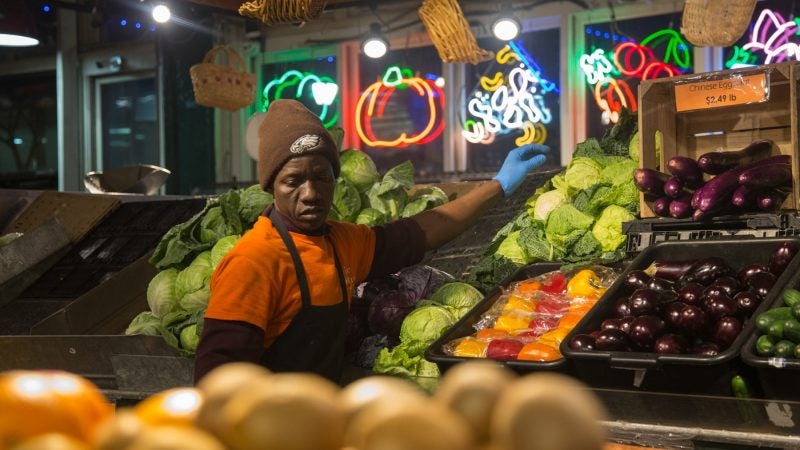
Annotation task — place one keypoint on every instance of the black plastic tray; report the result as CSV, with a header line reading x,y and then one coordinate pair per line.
x,y
464,327
675,373
778,376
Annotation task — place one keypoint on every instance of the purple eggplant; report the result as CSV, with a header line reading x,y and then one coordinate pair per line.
x,y
636,279
744,197
780,258
718,162
716,195
726,329
767,176
770,200
661,206
670,270
705,271
650,181
673,187
747,271
670,343
681,207
686,169
717,192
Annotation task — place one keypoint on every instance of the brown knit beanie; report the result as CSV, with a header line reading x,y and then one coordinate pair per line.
x,y
287,131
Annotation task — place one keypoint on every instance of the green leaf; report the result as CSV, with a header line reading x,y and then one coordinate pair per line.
x,y
399,176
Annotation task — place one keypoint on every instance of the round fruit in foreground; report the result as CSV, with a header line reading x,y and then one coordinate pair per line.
x,y
39,402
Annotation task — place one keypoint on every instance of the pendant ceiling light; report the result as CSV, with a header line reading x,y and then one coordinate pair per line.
x,y
17,27
375,45
507,26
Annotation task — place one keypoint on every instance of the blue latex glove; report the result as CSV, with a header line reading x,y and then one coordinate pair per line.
x,y
518,163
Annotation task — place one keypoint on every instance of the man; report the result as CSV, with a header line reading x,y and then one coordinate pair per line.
x,y
280,297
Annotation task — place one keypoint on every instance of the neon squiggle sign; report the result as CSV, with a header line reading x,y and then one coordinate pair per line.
x,y
514,102
278,88
634,60
372,105
771,35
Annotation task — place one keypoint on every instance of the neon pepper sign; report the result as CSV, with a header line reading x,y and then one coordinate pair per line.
x,y
510,102
630,59
371,106
296,81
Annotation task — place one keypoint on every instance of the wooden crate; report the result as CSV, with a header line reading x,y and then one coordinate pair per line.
x,y
694,132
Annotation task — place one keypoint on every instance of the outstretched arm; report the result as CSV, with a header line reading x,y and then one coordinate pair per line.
x,y
445,222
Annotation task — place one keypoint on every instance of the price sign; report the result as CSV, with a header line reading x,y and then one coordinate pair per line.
x,y
736,90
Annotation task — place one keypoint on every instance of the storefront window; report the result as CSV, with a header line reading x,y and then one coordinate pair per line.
x,y
513,99
312,82
128,123
619,55
28,132
400,111
772,37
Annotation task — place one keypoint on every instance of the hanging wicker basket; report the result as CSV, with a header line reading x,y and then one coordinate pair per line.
x,y
228,86
450,33
716,23
282,11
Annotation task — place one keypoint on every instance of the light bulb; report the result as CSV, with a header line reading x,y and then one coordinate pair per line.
x,y
161,13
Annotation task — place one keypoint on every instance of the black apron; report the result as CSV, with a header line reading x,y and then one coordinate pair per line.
x,y
315,339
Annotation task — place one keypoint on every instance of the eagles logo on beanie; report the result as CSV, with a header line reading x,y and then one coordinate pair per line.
x,y
288,130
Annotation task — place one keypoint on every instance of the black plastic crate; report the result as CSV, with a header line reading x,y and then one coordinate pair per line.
x,y
778,376
690,374
465,327
648,232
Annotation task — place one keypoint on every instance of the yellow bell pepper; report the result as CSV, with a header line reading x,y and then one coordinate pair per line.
x,y
585,284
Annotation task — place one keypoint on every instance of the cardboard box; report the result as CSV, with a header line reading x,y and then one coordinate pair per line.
x,y
700,113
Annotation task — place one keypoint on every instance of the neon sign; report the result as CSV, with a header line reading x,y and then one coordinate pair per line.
x,y
772,36
297,82
372,105
604,71
510,102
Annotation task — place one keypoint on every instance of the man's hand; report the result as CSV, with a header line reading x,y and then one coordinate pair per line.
x,y
518,164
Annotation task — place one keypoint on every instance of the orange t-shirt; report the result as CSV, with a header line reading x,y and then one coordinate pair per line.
x,y
256,281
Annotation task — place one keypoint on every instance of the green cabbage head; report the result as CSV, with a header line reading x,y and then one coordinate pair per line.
x,y
145,323
221,248
161,293
608,228
457,295
426,324
359,169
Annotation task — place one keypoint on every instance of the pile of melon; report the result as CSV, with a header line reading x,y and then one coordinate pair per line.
x,y
478,406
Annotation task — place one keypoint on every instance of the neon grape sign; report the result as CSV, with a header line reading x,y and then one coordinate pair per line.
x,y
371,107
296,84
771,36
511,101
606,72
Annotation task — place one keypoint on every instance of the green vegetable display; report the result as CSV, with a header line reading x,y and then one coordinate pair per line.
x,y
422,326
576,217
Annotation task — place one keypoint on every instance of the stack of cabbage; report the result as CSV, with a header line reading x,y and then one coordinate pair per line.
x,y
422,326
189,252
186,257
577,216
361,196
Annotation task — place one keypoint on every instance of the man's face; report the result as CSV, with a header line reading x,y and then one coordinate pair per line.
x,y
303,191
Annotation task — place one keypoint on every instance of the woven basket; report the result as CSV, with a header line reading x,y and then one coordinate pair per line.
x,y
716,23
228,86
450,33
282,11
